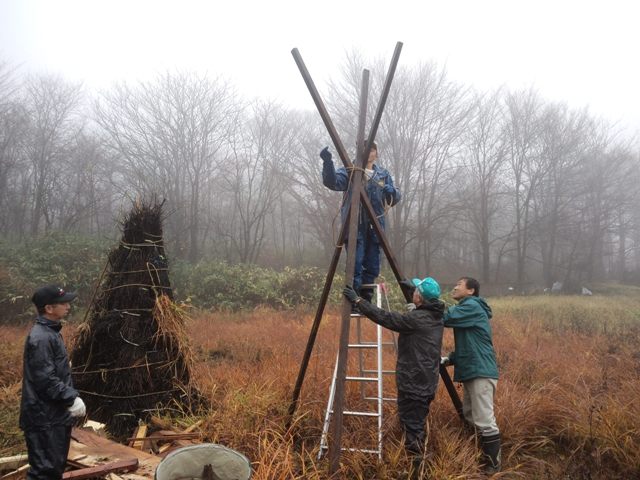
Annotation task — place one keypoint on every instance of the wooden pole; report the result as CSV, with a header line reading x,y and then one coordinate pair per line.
x,y
341,369
316,321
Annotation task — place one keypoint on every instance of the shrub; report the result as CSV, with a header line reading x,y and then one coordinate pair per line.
x,y
73,261
219,285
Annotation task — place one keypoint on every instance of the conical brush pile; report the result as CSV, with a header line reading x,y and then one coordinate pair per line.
x,y
132,355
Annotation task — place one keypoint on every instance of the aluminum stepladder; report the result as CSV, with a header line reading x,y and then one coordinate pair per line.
x,y
364,377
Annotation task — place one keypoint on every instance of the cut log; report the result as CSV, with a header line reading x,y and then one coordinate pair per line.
x,y
101,470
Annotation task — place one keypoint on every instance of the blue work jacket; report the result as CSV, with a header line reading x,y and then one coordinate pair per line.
x,y
338,180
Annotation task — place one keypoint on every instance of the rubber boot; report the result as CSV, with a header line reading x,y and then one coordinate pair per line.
x,y
491,453
416,465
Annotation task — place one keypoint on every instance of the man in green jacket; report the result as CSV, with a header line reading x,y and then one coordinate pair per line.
x,y
475,364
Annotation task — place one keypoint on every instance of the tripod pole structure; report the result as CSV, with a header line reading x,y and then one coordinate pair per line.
x,y
358,197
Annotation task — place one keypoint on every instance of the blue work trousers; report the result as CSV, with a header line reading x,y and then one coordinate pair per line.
x,y
367,266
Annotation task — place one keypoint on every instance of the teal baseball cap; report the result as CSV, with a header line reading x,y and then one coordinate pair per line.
x,y
427,287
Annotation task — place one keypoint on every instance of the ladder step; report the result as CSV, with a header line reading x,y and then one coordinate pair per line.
x,y
376,371
362,345
384,399
362,379
359,414
363,450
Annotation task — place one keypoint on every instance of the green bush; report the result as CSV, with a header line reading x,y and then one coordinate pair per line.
x,y
76,262
220,285
73,261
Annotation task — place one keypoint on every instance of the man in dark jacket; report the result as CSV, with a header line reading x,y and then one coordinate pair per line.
x,y
475,364
419,343
49,401
382,193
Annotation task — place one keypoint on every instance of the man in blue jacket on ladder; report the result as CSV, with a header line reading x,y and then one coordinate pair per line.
x,y
382,194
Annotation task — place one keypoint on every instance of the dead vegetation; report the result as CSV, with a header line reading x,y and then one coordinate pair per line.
x,y
566,402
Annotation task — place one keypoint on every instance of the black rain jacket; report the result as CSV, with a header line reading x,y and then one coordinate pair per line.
x,y
47,388
419,343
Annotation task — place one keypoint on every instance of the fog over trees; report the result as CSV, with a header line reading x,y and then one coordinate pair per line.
x,y
505,185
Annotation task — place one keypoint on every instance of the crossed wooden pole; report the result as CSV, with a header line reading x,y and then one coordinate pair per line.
x,y
350,225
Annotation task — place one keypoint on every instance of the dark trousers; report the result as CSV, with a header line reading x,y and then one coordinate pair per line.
x,y
47,450
413,412
367,266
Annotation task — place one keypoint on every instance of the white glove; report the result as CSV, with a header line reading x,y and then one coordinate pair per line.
x,y
78,409
410,306
444,361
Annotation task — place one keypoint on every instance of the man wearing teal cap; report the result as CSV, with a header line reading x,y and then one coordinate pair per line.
x,y
419,343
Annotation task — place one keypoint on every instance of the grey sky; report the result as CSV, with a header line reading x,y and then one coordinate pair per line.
x,y
582,52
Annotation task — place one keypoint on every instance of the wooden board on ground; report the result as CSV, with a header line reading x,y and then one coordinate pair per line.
x,y
99,450
138,438
101,470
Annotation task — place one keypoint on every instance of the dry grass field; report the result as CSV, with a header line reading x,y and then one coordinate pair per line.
x,y
567,402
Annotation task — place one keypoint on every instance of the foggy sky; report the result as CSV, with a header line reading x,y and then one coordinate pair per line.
x,y
584,53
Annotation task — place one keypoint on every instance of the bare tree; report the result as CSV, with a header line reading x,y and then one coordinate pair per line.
x,y
252,176
13,129
169,134
482,174
527,168
562,137
319,206
52,105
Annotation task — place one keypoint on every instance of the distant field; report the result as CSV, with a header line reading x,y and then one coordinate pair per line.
x,y
567,400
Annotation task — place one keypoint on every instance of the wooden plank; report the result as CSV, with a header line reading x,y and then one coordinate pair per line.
x,y
191,428
89,443
97,449
101,470
139,434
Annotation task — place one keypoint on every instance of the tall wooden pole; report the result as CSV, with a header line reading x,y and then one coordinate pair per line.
x,y
356,187
316,321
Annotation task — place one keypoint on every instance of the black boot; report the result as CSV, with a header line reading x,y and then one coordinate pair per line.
x,y
366,293
416,467
491,453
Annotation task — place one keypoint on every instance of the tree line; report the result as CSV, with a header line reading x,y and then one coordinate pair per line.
x,y
505,185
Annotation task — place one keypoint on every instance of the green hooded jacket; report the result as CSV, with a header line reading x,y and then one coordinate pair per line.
x,y
474,356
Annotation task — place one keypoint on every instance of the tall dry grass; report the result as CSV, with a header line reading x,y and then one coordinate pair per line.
x,y
567,401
